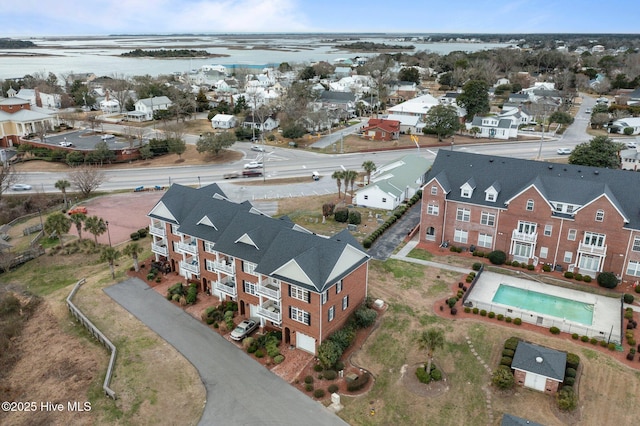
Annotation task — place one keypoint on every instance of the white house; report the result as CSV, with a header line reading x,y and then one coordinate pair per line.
x,y
109,106
503,126
409,124
224,121
619,125
394,183
266,125
145,108
419,106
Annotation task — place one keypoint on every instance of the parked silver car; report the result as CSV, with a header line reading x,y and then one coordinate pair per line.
x,y
243,329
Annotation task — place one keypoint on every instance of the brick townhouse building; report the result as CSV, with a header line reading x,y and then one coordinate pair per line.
x,y
578,218
281,274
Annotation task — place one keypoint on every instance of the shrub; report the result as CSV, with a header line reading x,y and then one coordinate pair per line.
x,y
422,375
508,352
134,236
491,315
569,381
546,268
593,341
176,297
454,311
506,361
467,309
358,383
344,337
333,388
151,276
503,378
637,289
530,267
328,353
365,317
508,319
575,336
355,218
339,365
308,379
192,294
252,348
577,277
554,330
607,280
568,274
318,393
451,302
308,387
317,368
341,214
436,375
571,372
483,313
476,266
330,375
584,338
511,343
497,257
259,353
515,263
517,321
500,317
628,314
628,298
475,310
573,360
278,359
611,346
586,278
566,399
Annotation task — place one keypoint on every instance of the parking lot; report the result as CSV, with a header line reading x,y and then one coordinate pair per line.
x,y
85,139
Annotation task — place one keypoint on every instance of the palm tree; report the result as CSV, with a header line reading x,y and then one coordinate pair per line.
x,y
338,175
78,219
96,226
58,223
431,340
62,185
350,177
110,255
133,249
369,167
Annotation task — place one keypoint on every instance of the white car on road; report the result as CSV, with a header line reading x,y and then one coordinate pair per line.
x,y
65,143
253,165
564,151
21,187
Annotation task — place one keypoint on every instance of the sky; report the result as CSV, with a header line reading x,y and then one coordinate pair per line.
x,y
101,17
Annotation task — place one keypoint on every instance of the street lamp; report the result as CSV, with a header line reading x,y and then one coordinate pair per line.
x,y
199,185
108,233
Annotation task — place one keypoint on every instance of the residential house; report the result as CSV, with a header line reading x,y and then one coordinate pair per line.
x,y
379,129
449,98
263,124
630,159
37,98
409,124
18,118
343,103
394,183
109,105
144,108
495,126
539,368
518,98
282,275
419,106
224,121
619,125
571,217
634,97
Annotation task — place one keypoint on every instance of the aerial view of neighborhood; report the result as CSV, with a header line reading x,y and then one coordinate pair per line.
x,y
340,228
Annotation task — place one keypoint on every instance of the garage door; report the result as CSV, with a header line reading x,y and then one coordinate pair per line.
x,y
306,343
535,381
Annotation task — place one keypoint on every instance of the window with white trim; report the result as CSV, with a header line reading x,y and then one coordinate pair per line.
x,y
174,229
338,287
249,288
599,215
325,296
559,207
209,265
463,214
571,236
331,314
485,240
345,302
300,315
633,268
490,196
594,239
433,209
248,267
636,244
548,229
208,247
434,190
568,256
487,218
299,293
544,252
465,192
530,205
460,236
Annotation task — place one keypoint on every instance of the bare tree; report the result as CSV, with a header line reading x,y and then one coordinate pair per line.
x,y
8,176
86,179
119,87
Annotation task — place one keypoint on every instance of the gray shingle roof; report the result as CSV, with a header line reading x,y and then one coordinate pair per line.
x,y
238,230
540,360
565,183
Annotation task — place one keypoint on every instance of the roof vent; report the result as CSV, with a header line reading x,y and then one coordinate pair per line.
x,y
550,167
565,169
491,160
579,171
539,359
596,172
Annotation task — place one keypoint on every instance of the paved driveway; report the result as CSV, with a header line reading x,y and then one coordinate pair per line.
x,y
239,390
386,243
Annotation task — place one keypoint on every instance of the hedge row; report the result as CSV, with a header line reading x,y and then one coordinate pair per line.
x,y
397,214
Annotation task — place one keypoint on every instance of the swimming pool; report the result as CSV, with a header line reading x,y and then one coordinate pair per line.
x,y
545,304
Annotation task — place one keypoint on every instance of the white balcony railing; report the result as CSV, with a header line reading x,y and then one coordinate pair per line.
x,y
228,268
523,236
160,249
588,248
268,290
270,312
157,230
191,265
189,246
228,286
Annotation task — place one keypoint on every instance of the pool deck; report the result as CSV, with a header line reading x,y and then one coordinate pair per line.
x,y
607,315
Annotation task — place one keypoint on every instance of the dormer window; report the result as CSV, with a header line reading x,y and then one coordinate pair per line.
x,y
491,193
466,190
466,193
490,197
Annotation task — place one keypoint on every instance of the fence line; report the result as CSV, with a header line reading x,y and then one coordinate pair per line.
x,y
97,334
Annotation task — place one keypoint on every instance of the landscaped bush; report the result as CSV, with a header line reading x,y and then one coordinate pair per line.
x,y
134,236
491,315
330,375
333,388
467,309
308,379
546,268
569,381
584,338
515,263
451,302
475,310
355,218
517,321
454,311
259,353
339,365
500,317
436,375
637,289
497,257
573,360
567,399
593,341
278,359
506,360
611,346
483,313
568,274
422,375
508,319
477,266
530,267
341,214
365,317
571,372
308,387
318,393
554,330
628,313
358,383
503,378
511,343
586,278
317,368
607,280
628,298
192,294
343,337
508,352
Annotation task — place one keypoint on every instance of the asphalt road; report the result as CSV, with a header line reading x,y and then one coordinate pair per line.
x,y
239,390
